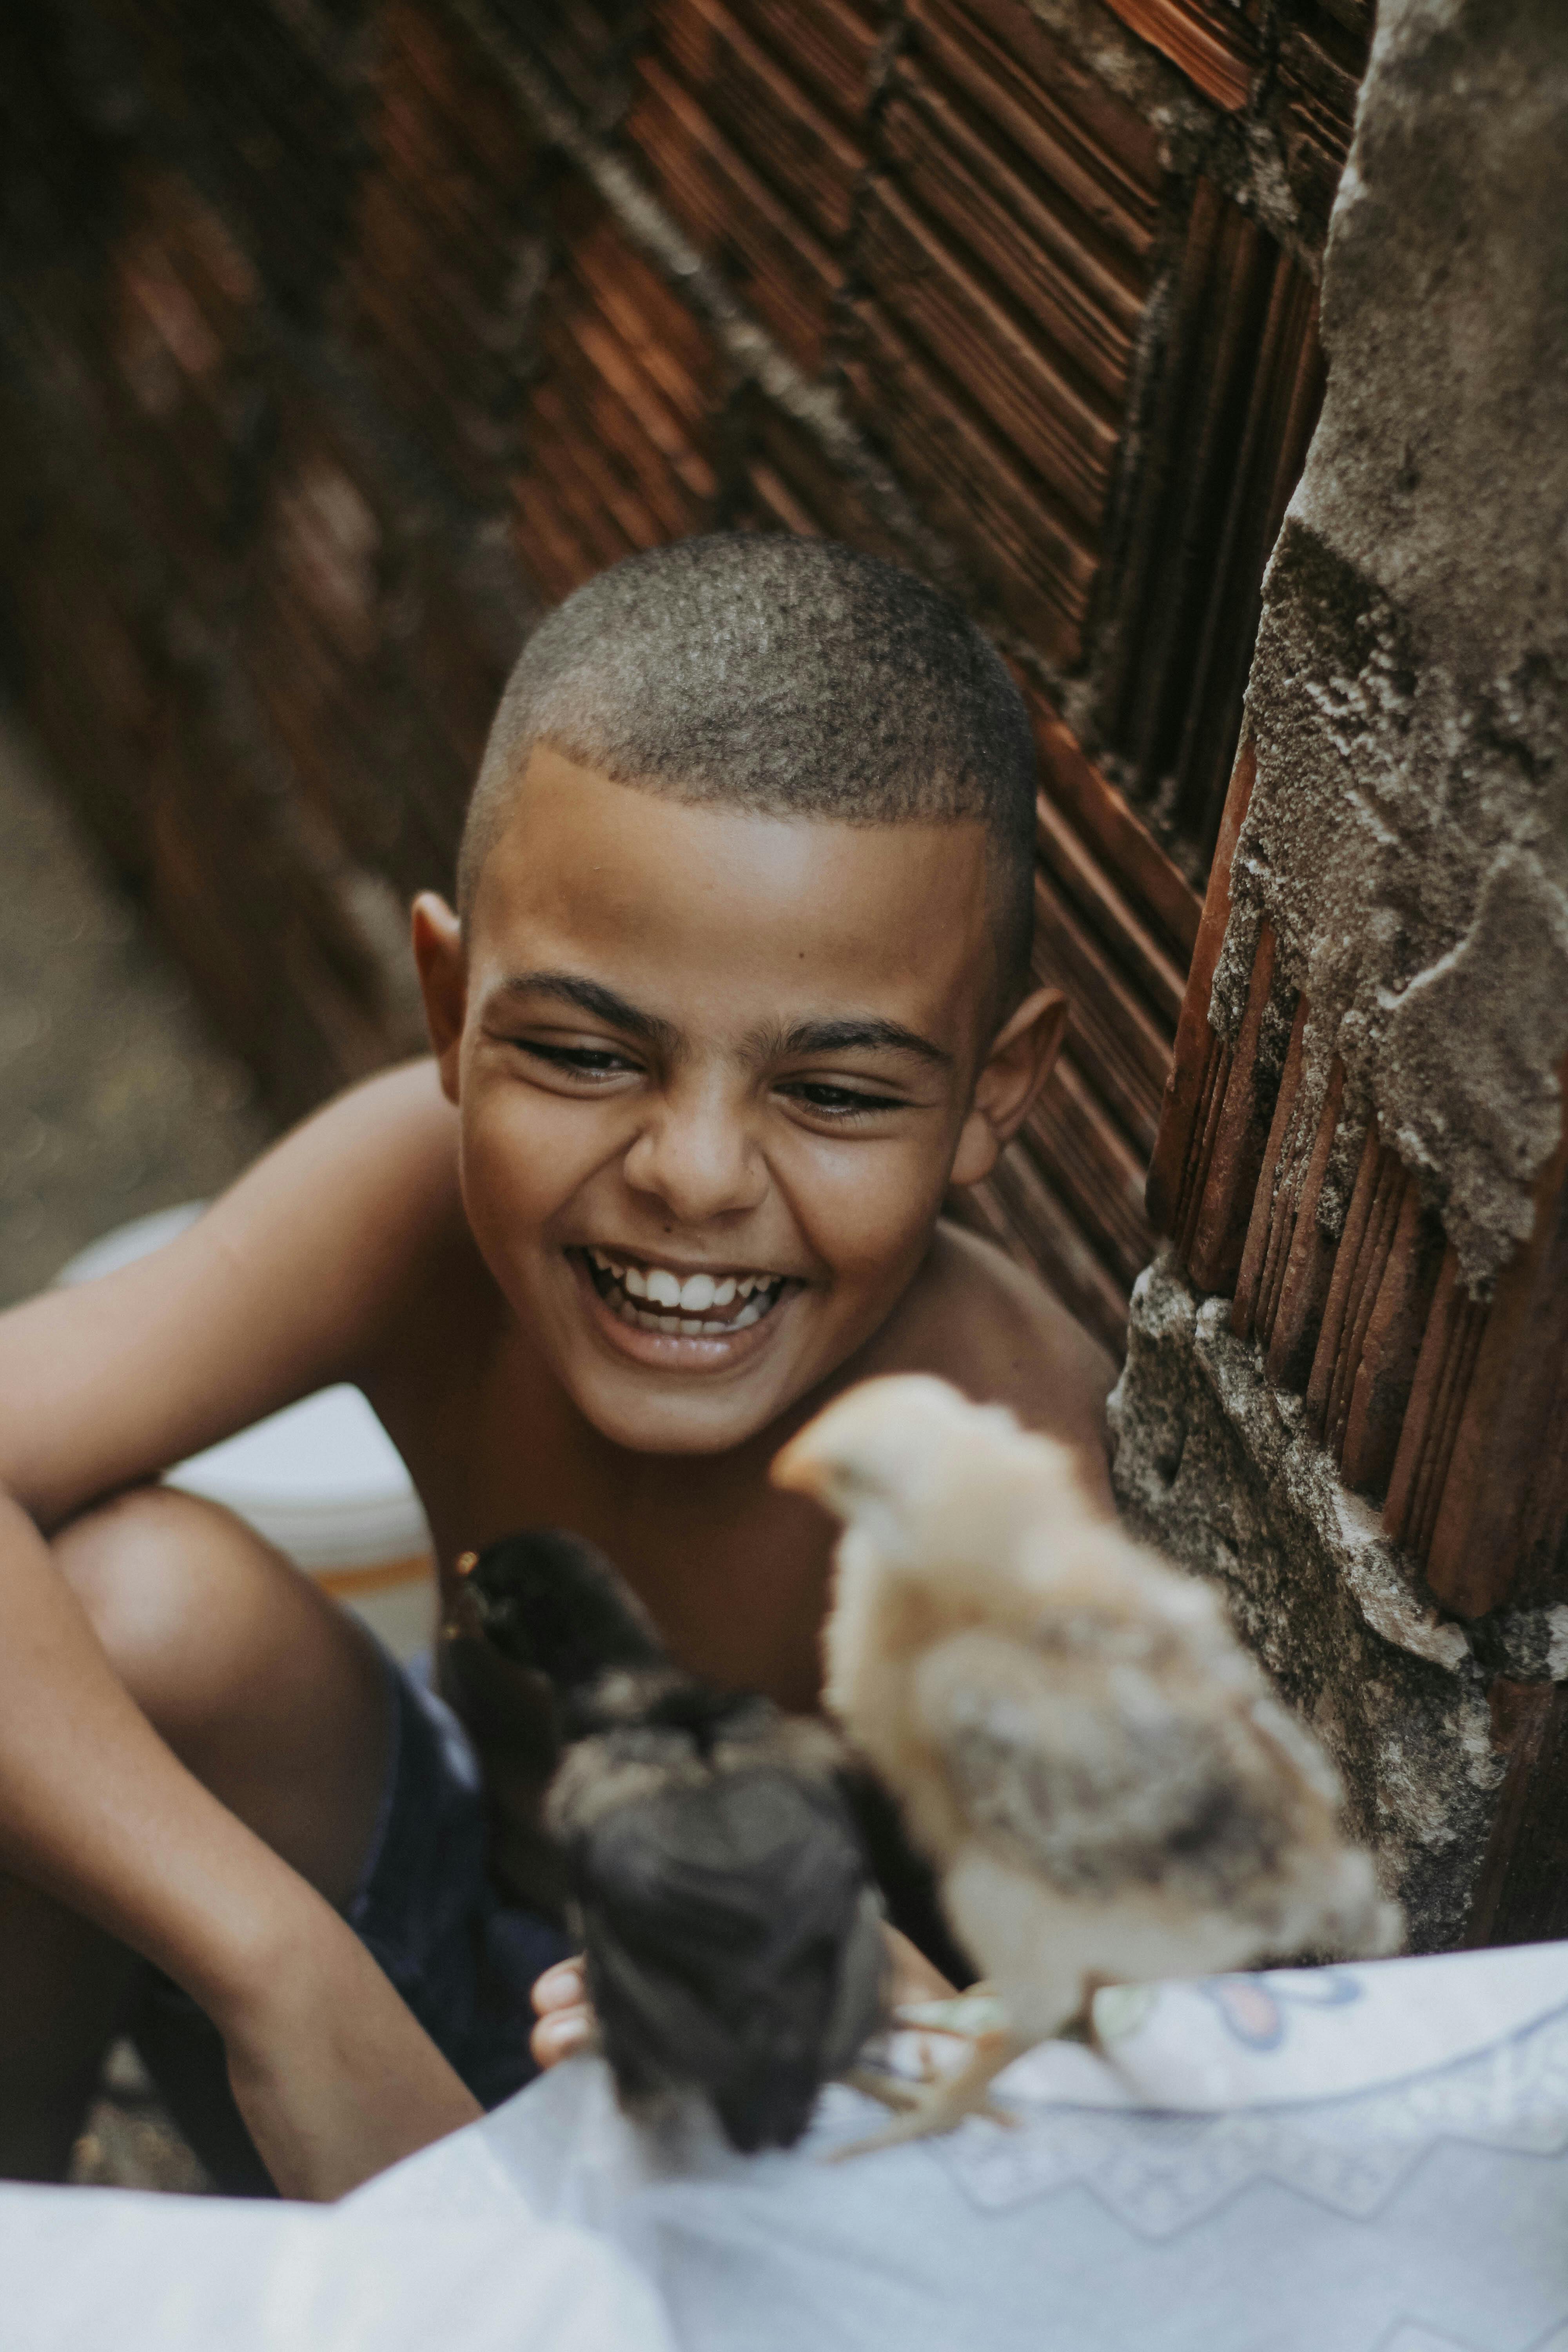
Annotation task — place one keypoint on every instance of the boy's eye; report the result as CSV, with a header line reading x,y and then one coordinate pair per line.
x,y
840,1102
587,1061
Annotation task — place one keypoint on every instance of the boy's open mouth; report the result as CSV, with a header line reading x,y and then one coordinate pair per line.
x,y
686,1306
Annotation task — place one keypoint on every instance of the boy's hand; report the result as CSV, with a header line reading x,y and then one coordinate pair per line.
x,y
564,2012
566,2016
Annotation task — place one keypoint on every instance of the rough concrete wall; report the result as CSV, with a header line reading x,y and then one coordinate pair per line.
x,y
1408,831
1214,1466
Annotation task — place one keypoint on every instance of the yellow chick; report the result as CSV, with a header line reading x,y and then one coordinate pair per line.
x,y
1107,1789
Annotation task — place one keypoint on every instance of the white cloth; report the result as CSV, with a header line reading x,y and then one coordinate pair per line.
x,y
1358,2160
110,2268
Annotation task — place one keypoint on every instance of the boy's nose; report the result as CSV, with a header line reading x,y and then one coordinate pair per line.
x,y
698,1158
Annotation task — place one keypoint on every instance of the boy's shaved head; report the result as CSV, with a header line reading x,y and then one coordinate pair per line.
x,y
788,676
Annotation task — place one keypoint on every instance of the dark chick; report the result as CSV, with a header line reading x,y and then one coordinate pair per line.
x,y
552,1603
731,1933
535,1620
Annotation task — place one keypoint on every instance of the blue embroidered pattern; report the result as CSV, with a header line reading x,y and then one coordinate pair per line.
x,y
1161,2173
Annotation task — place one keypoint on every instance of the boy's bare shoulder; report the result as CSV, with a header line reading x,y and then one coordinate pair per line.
x,y
305,1272
379,1162
999,1334
359,1209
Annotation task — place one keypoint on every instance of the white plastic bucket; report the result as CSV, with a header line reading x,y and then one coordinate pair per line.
x,y
320,1480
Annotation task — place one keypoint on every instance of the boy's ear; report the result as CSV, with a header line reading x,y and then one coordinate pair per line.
x,y
1014,1070
443,981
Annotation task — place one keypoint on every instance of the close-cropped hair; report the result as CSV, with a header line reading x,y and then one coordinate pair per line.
x,y
789,677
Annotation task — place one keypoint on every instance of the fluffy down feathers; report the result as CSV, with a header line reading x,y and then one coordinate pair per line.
x,y
1106,1786
732,1940
732,1937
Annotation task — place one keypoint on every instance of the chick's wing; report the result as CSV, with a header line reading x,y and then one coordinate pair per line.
x,y
1097,1763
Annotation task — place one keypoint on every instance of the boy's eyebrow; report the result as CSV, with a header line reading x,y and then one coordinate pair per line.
x,y
843,1036
865,1030
591,996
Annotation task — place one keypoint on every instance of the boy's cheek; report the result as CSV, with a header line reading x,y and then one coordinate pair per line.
x,y
518,1174
526,1153
869,1218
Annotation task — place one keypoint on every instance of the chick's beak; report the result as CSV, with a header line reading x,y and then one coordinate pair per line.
x,y
852,1445
803,1465
872,1447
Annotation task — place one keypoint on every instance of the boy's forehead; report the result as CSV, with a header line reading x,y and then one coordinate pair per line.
x,y
664,885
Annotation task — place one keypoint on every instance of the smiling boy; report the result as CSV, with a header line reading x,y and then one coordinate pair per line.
x,y
736,988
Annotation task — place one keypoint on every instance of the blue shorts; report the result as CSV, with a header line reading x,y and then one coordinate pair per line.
x,y
462,1957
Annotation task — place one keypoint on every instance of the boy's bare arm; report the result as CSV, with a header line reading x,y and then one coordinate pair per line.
x,y
289,1282
333,2075
283,1286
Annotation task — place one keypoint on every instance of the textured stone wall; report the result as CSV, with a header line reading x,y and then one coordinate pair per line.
x,y
1363,1136
1214,1465
1407,835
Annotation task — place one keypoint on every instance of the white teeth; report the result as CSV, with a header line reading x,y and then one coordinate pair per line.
x,y
661,1288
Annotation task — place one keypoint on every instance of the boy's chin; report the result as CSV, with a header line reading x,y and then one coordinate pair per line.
x,y
648,1411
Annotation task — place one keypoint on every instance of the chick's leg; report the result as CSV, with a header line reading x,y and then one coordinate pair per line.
x,y
938,2106
886,2089
1081,2026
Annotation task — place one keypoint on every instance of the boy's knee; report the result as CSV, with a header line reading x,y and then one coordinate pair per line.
x,y
176,1590
268,1691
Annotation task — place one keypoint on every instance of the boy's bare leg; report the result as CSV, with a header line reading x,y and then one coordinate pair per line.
x,y
62,1985
269,1693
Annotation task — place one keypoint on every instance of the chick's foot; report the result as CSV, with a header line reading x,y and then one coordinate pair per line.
x,y
886,2089
939,2106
